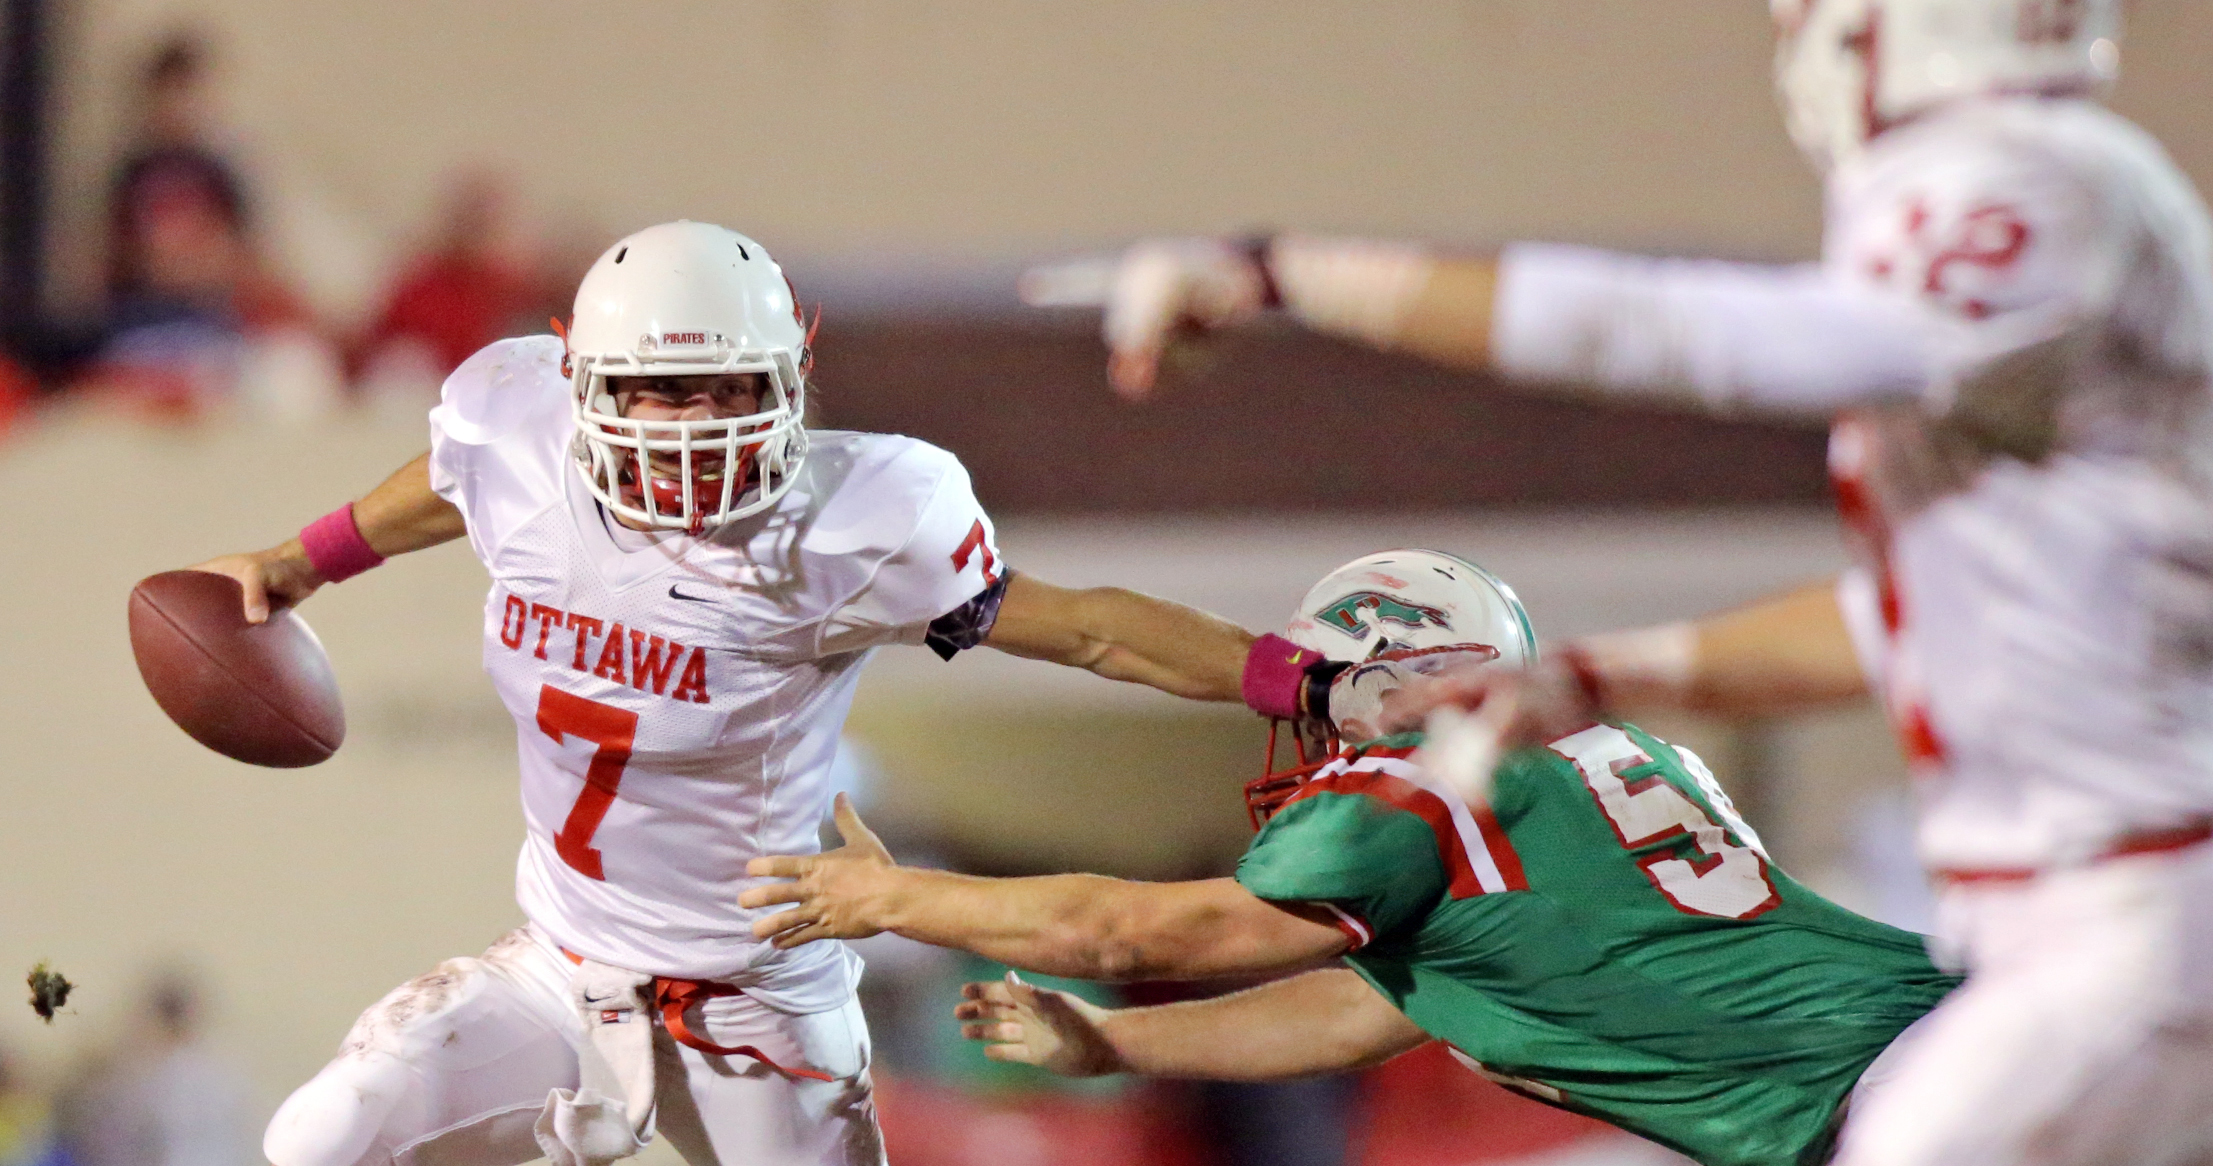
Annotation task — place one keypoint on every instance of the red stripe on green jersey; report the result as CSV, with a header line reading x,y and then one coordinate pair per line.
x,y
1476,854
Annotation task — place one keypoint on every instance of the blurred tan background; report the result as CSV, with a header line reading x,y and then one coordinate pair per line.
x,y
903,159
967,131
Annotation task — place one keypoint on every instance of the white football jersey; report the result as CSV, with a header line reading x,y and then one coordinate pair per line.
x,y
2045,250
2044,645
2017,274
677,701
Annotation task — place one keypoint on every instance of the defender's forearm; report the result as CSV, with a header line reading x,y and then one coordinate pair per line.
x,y
1787,339
1394,296
1081,926
1785,654
1450,320
1319,1022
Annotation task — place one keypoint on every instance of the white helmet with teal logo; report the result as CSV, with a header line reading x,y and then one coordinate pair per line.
x,y
1412,601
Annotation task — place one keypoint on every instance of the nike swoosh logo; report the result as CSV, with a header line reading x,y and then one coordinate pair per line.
x,y
1293,658
591,999
675,594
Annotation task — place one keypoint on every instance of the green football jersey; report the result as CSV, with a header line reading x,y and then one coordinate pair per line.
x,y
1606,934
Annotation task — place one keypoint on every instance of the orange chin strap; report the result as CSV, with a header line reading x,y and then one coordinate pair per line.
x,y
563,333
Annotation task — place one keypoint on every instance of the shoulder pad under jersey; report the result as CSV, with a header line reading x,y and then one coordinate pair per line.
x,y
507,384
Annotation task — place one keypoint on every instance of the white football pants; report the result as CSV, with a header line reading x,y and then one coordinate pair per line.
x,y
453,1068
2083,1036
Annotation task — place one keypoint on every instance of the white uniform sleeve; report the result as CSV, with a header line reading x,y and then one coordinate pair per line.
x,y
1779,338
1952,253
497,436
947,561
2009,247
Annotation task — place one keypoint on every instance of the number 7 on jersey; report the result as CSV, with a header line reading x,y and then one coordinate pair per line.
x,y
562,715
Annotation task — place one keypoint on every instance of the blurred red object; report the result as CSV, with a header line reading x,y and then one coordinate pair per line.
x,y
453,304
469,288
1422,1109
927,1124
1425,1109
17,391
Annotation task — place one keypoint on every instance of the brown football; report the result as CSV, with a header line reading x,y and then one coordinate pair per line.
x,y
262,694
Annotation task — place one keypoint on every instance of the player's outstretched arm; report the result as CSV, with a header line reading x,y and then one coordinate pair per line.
x,y
1790,653
1787,653
1789,339
1083,926
402,514
1123,635
1386,295
1318,1022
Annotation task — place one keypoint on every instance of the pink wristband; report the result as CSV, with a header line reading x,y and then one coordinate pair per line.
x,y
335,547
1275,670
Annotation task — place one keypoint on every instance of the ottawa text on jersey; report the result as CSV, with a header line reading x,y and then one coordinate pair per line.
x,y
646,666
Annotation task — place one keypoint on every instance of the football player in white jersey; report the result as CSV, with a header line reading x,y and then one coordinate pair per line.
x,y
685,584
2012,324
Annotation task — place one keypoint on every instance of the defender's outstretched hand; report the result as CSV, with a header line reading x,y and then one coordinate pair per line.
x,y
1166,287
279,577
839,894
1037,1026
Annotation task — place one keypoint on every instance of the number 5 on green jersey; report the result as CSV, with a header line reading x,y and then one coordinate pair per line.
x,y
1703,858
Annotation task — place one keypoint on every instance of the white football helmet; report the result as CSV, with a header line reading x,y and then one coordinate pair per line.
x,y
687,299
1846,70
1412,601
1392,616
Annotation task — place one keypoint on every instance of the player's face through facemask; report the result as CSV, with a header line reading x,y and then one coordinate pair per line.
x,y
719,397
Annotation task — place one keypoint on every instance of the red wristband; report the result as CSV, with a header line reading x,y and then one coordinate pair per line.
x,y
335,547
1275,669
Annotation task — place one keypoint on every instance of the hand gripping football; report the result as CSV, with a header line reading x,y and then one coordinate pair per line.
x,y
262,694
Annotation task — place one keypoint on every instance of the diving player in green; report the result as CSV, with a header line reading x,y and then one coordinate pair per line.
x,y
1590,923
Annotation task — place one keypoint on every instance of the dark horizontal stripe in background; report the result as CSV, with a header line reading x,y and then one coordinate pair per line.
x,y
1279,421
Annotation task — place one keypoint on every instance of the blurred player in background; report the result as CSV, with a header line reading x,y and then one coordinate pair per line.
x,y
685,583
2011,323
1593,927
